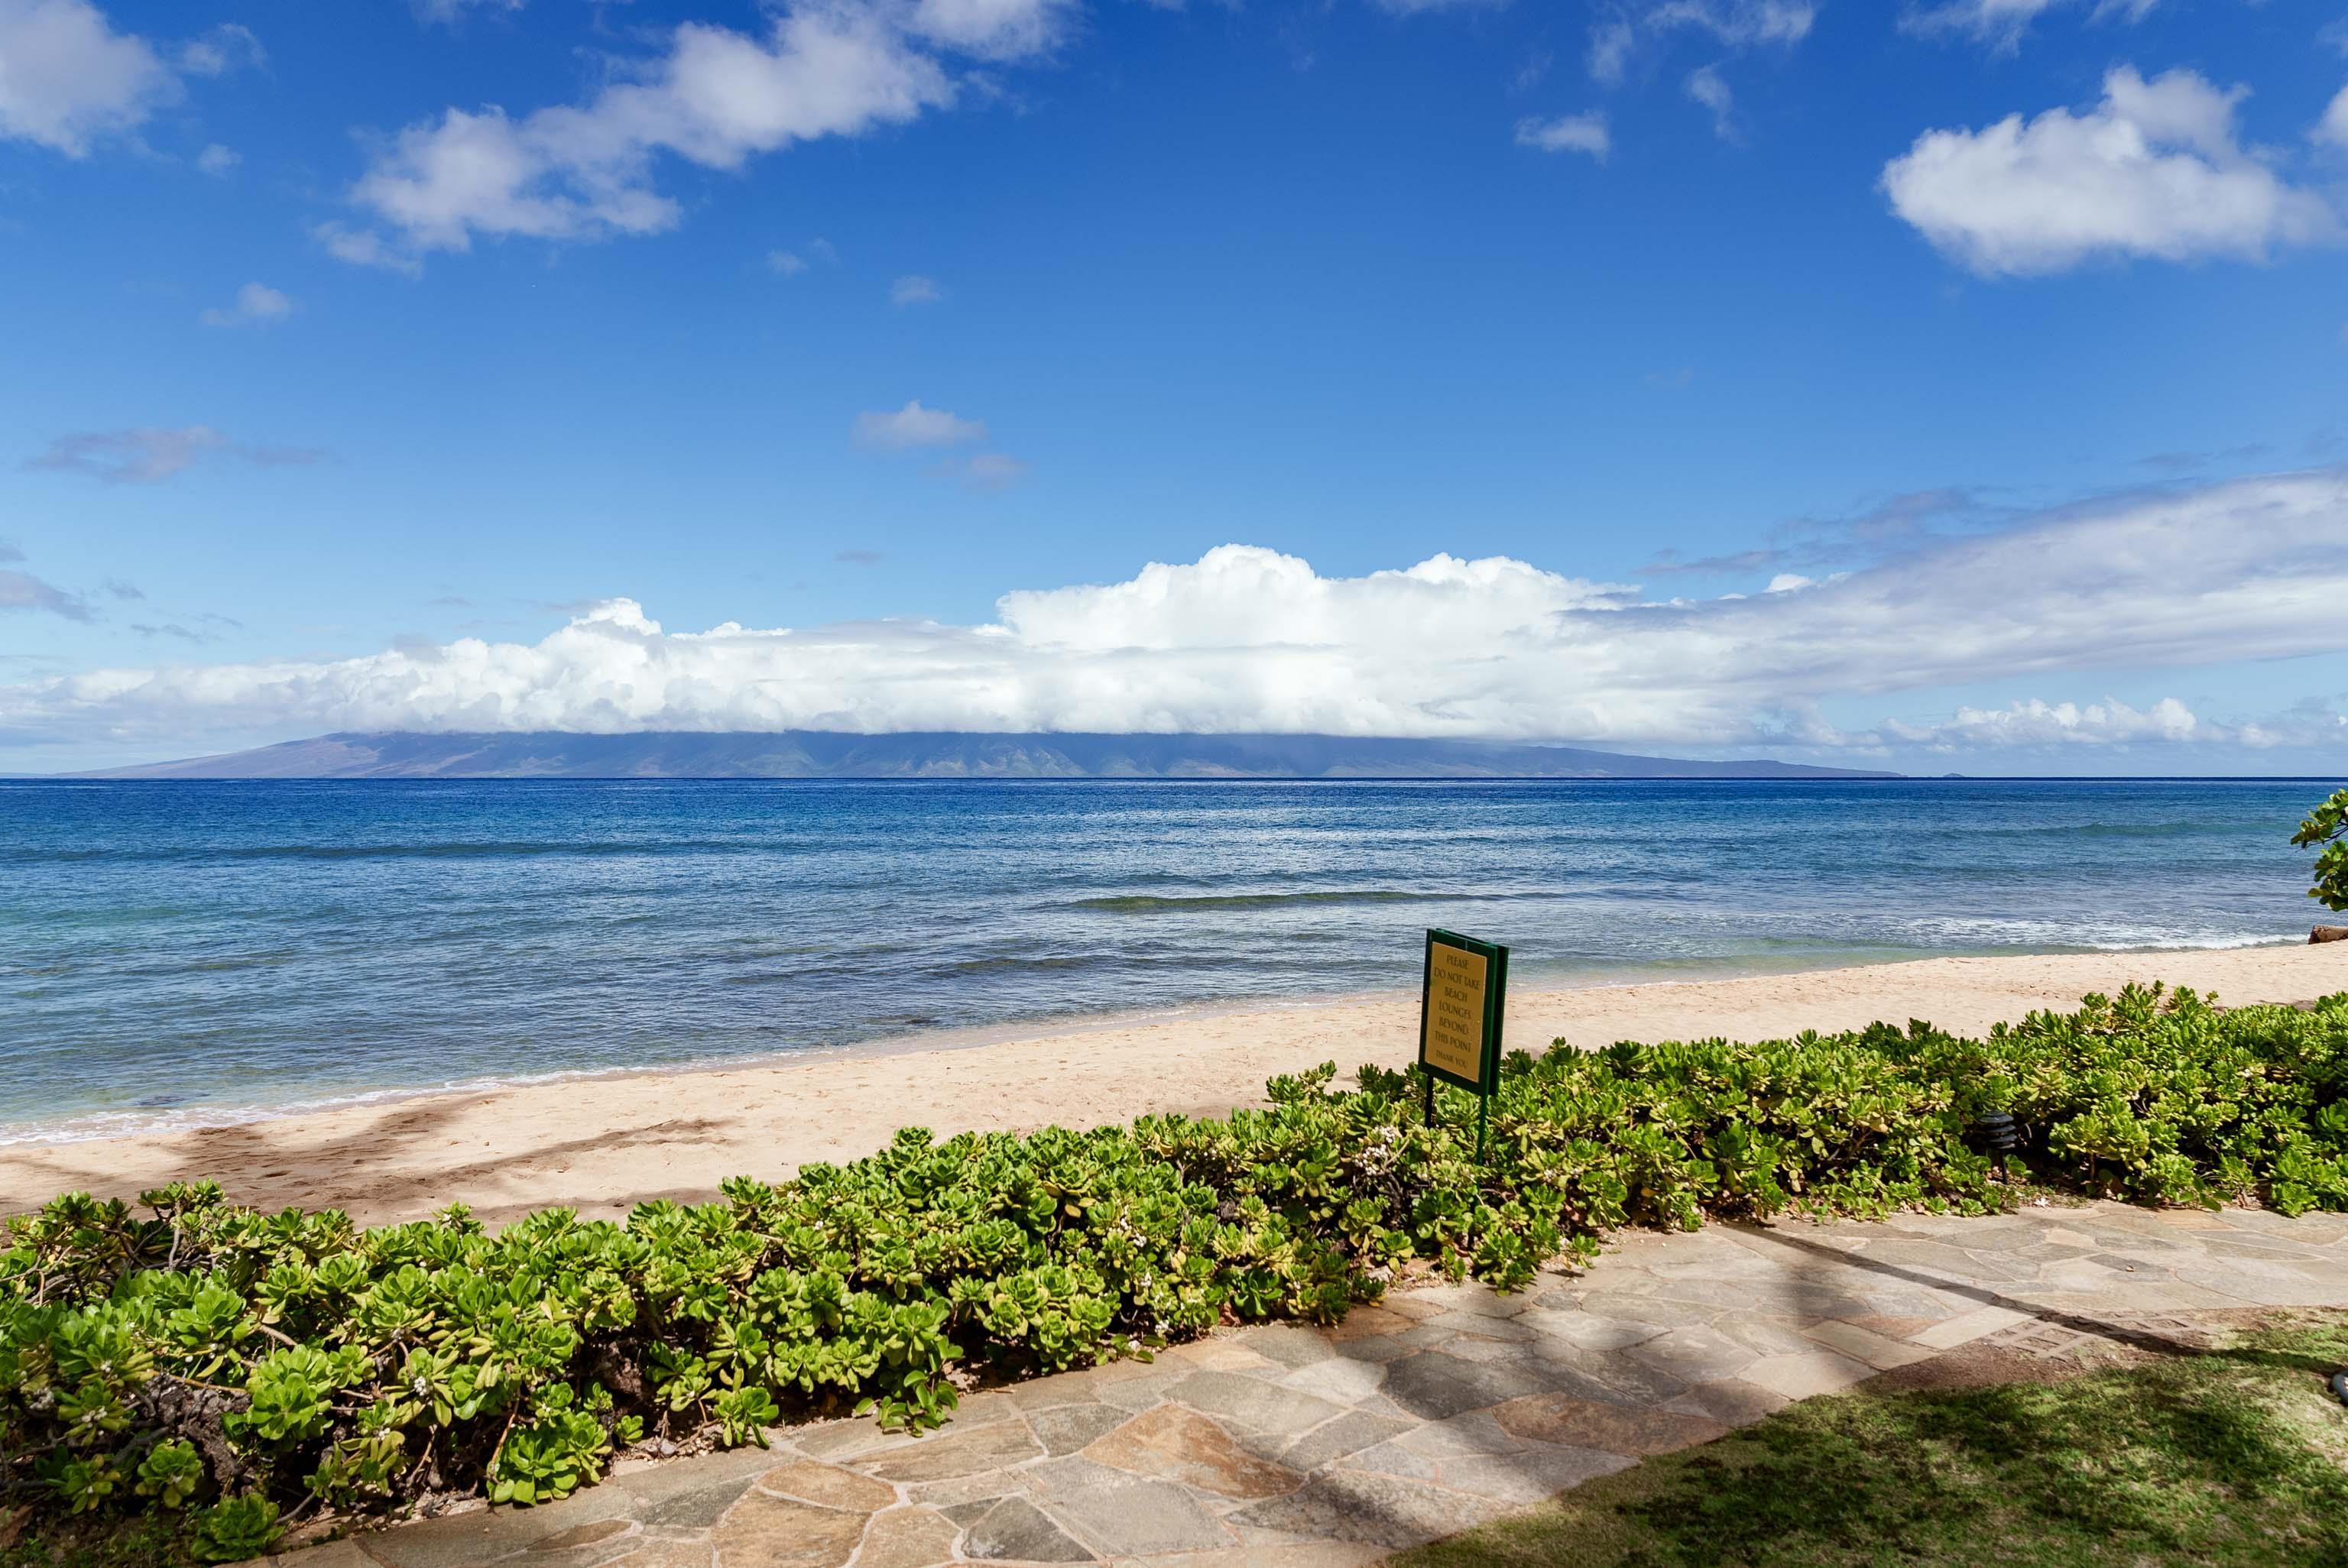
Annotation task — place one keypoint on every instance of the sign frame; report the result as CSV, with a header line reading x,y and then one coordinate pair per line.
x,y
1496,987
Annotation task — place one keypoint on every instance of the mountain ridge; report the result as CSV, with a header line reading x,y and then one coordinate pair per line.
x,y
934,754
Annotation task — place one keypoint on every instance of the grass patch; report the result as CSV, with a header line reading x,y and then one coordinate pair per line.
x,y
2233,1458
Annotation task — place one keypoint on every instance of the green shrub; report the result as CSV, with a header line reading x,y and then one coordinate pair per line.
x,y
234,1529
253,1371
2327,825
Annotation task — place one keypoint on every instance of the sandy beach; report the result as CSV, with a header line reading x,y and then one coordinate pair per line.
x,y
603,1144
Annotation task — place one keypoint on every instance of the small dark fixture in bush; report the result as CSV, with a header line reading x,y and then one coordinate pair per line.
x,y
1995,1133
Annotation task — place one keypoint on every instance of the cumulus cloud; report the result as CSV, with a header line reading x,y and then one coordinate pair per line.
x,y
149,454
914,289
2035,721
257,304
786,263
2156,170
714,97
68,79
914,426
218,161
1249,640
1567,133
2002,22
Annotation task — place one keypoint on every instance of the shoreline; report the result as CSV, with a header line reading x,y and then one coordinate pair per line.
x,y
601,1141
142,1123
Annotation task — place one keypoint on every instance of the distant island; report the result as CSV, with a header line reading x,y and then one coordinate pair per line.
x,y
822,754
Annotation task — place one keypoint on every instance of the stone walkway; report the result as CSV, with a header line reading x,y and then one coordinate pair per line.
x,y
1418,1417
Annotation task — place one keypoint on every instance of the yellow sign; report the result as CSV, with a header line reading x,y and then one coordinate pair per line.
x,y
1456,981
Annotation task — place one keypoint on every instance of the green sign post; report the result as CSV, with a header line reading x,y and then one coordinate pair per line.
x,y
1459,1011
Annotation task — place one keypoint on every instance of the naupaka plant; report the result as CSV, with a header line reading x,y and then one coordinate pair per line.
x,y
2327,825
232,1375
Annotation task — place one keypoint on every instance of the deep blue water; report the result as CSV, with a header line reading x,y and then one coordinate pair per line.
x,y
181,951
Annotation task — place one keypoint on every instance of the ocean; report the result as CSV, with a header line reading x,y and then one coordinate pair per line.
x,y
184,953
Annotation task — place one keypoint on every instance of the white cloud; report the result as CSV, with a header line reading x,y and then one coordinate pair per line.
x,y
993,29
68,79
364,248
1705,86
2154,169
1246,638
716,97
1421,8
257,304
991,471
913,426
1568,133
225,48
1611,43
217,160
914,289
1616,36
1739,22
792,263
449,13
149,454
22,591
140,456
2332,128
2035,722
2002,22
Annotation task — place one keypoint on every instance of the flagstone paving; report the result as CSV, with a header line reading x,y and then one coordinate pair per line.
x,y
1425,1415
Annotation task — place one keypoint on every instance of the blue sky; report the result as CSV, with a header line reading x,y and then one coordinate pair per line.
x,y
358,354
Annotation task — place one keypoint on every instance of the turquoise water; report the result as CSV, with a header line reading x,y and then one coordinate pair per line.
x,y
178,952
